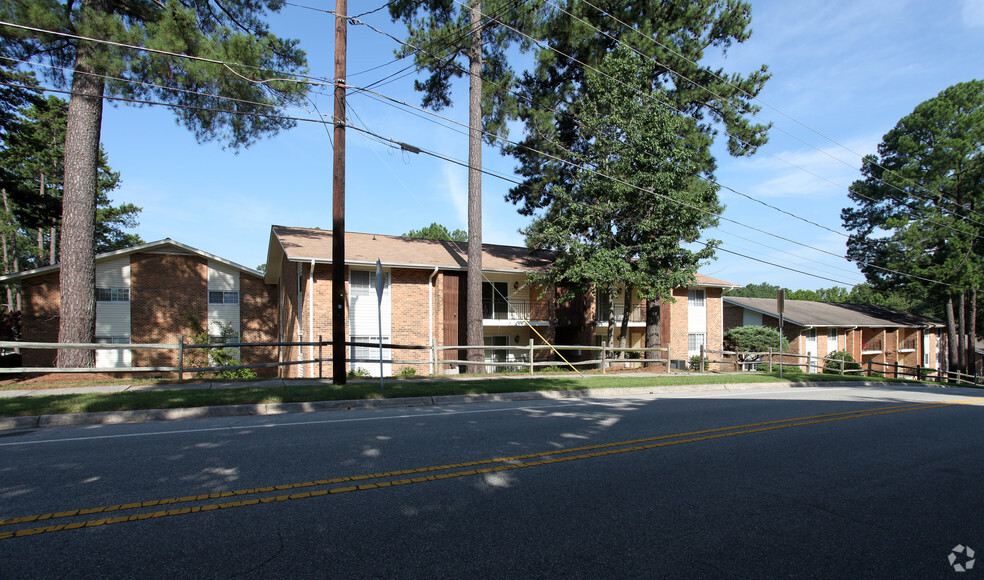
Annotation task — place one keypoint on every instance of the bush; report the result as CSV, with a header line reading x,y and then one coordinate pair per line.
x,y
407,372
833,367
694,363
746,339
359,373
787,368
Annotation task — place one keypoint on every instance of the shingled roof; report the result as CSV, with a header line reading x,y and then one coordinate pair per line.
x,y
305,245
809,313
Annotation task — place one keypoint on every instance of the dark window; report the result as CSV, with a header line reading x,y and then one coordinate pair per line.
x,y
223,297
112,294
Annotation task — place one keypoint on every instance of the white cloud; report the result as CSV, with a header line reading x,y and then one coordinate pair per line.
x,y
456,181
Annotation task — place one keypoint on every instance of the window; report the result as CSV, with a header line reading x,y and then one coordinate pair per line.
x,y
223,297
112,294
831,340
364,355
696,297
695,340
113,340
363,282
494,303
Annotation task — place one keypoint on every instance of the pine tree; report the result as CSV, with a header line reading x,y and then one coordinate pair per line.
x,y
245,62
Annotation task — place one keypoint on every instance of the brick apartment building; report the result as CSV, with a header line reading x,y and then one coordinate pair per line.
x,y
868,333
153,294
157,292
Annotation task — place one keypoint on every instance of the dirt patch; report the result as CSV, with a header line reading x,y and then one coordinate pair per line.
x,y
61,380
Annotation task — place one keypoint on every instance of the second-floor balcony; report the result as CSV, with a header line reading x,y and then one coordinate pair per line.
x,y
872,347
515,310
636,314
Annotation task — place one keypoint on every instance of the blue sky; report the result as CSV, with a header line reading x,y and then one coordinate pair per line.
x,y
844,72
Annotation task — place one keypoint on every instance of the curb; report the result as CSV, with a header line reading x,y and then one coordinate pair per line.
x,y
117,417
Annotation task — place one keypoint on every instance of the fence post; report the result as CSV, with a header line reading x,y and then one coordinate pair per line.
x,y
869,368
668,359
770,359
319,357
604,355
701,358
895,370
181,354
532,368
434,357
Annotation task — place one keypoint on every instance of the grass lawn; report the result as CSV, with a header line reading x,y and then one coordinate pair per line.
x,y
177,397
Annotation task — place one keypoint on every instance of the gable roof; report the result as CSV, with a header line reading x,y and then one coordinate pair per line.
x,y
809,313
306,245
166,245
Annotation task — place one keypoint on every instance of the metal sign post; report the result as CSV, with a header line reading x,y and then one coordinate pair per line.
x,y
780,304
379,308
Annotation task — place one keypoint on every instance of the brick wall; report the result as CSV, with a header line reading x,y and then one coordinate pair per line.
x,y
168,295
287,299
258,321
409,317
168,298
676,336
42,301
715,333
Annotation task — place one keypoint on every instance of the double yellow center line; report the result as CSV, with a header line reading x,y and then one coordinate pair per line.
x,y
419,475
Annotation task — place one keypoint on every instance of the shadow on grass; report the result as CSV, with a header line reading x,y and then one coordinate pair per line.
x,y
174,398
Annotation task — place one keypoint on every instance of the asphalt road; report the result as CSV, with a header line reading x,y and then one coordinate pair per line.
x,y
811,482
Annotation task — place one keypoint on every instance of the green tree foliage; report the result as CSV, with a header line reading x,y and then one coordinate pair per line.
x,y
225,94
834,363
753,339
673,36
439,42
632,199
33,155
575,38
911,300
436,231
763,290
18,88
917,219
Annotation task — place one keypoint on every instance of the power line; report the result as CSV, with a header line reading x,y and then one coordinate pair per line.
x,y
678,111
227,64
759,230
448,159
755,97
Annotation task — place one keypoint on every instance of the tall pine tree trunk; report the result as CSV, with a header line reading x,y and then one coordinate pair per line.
x,y
962,333
6,257
473,314
77,323
623,331
972,333
952,336
654,331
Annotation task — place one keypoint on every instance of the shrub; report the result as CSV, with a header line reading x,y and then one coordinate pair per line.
x,y
833,365
359,373
746,339
694,363
407,372
787,368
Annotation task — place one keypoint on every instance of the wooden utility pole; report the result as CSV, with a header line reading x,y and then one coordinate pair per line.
x,y
338,203
473,294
